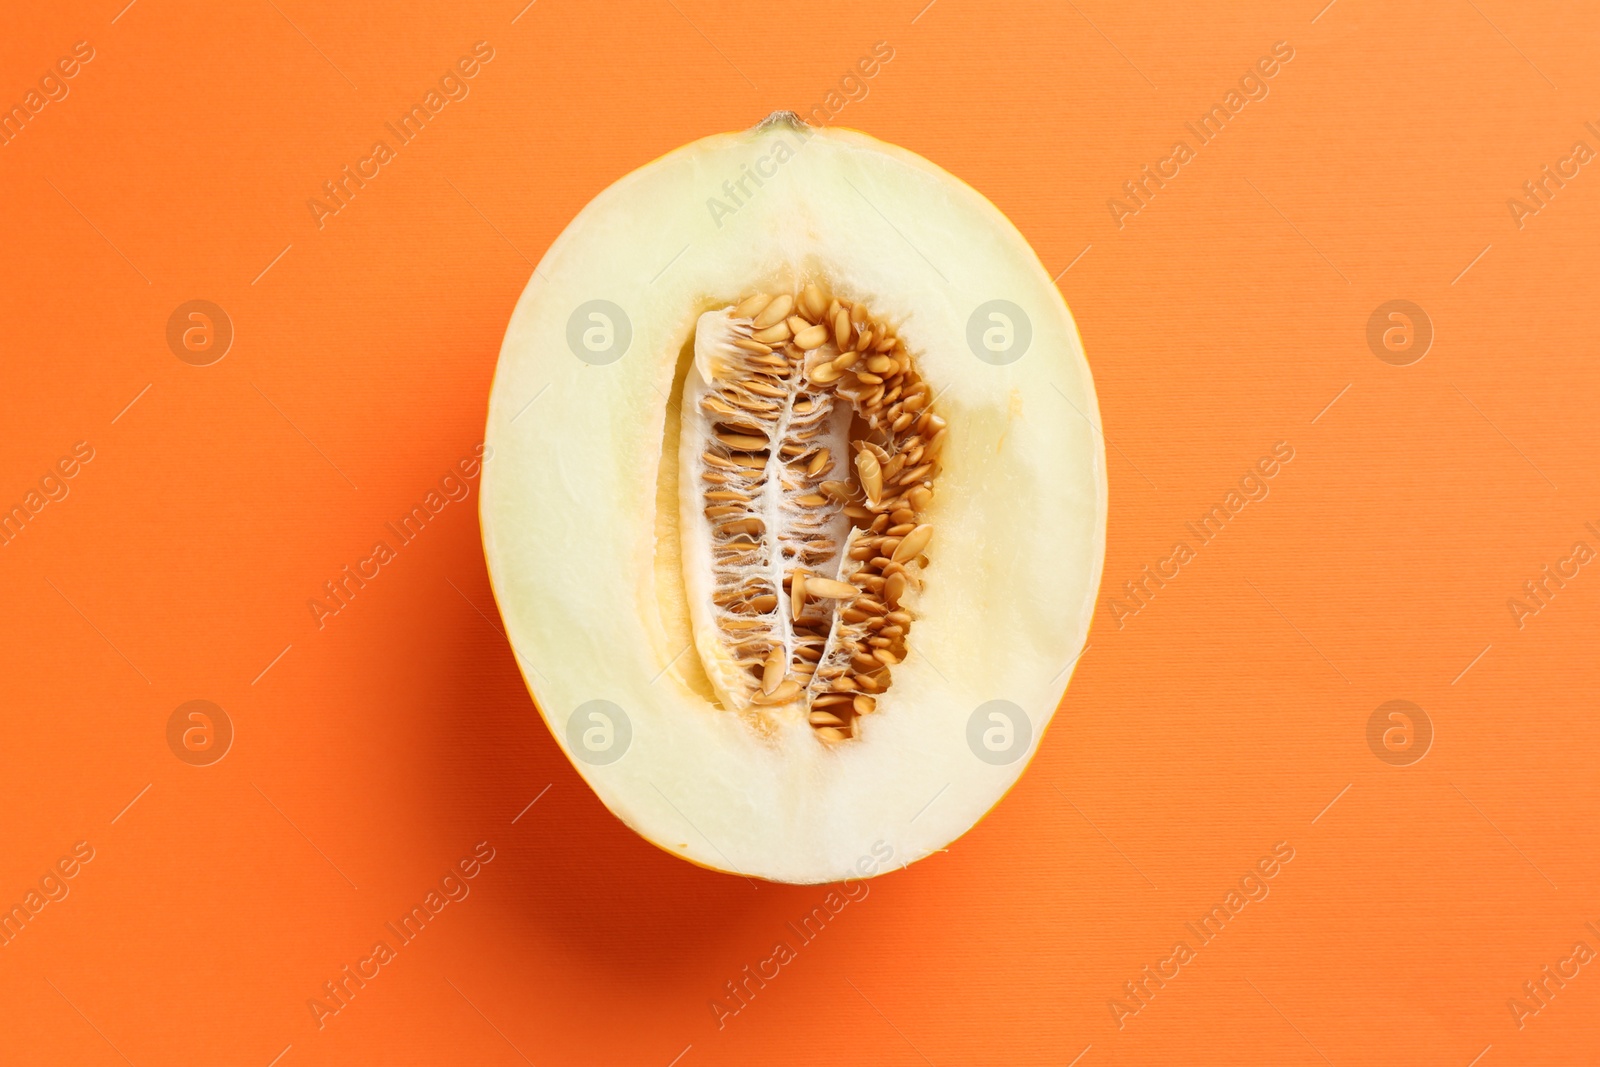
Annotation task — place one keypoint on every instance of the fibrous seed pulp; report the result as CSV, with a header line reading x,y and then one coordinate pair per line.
x,y
809,454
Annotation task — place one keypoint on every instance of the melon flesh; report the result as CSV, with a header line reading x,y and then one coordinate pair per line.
x,y
600,567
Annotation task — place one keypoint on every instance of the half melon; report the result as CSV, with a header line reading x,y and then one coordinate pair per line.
x,y
796,506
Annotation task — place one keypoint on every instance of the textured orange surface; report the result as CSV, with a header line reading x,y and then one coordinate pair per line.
x,y
1217,729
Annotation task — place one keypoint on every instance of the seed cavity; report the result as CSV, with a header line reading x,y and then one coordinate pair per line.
x,y
810,453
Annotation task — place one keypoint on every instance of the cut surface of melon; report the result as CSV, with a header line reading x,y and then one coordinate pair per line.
x,y
796,507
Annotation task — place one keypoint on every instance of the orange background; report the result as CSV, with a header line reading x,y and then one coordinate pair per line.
x,y
1228,715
